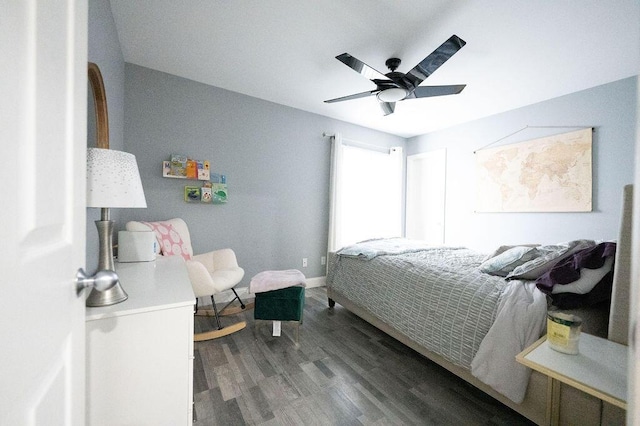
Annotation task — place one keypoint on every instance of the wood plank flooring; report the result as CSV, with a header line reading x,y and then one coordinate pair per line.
x,y
342,371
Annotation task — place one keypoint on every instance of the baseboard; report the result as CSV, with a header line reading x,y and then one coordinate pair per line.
x,y
316,282
243,292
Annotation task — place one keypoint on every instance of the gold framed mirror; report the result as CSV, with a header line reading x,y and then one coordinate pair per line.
x,y
100,106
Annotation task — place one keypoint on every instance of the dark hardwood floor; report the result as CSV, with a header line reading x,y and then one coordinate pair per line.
x,y
343,371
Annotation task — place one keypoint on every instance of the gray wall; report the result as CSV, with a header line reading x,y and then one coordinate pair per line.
x,y
104,50
610,109
275,158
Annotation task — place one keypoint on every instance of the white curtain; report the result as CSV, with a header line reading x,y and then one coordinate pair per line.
x,y
366,192
335,193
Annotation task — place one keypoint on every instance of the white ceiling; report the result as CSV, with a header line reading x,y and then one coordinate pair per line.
x,y
518,52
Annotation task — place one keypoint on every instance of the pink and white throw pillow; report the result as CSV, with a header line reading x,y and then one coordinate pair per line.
x,y
171,243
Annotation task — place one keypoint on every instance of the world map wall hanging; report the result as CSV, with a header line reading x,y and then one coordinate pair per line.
x,y
550,174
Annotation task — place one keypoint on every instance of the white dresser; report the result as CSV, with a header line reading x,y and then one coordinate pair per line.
x,y
139,353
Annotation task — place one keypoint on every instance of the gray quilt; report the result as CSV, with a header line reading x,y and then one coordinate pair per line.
x,y
436,296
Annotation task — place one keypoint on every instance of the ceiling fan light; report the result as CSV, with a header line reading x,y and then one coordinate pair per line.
x,y
394,94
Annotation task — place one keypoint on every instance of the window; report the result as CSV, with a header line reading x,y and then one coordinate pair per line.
x,y
366,193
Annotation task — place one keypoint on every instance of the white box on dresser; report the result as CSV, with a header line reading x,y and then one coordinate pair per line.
x,y
139,353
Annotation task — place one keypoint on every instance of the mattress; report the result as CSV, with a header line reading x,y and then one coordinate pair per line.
x,y
434,295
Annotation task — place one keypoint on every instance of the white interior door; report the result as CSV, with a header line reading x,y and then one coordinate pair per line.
x,y
43,81
426,196
633,412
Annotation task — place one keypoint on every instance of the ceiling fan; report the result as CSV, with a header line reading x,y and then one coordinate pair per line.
x,y
396,86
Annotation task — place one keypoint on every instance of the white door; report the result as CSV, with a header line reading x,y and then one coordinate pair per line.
x,y
43,82
633,414
426,196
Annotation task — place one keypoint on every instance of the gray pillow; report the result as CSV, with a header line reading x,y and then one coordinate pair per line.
x,y
550,255
502,249
506,261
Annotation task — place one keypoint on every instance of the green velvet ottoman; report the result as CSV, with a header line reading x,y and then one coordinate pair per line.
x,y
285,304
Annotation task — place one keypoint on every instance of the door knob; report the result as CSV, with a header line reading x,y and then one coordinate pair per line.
x,y
101,281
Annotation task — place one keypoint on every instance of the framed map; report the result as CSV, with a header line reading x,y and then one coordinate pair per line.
x,y
550,174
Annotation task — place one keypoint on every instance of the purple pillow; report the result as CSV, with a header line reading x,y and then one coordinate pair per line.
x,y
568,270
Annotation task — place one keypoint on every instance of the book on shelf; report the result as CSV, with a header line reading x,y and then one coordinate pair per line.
x,y
192,169
192,194
203,174
178,165
219,193
205,194
167,171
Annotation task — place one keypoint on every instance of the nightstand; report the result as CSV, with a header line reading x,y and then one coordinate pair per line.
x,y
600,369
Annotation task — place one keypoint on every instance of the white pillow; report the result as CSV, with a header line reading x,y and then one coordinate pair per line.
x,y
587,281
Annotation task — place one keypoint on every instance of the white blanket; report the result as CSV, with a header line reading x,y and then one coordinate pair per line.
x,y
369,249
276,280
520,321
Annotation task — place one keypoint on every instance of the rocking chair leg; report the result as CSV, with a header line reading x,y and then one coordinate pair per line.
x,y
221,331
215,311
238,297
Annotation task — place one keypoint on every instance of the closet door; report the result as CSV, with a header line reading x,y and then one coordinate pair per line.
x,y
426,196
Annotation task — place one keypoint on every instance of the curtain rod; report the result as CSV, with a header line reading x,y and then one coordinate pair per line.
x,y
362,145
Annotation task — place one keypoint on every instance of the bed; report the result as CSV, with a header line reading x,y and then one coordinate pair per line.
x,y
442,302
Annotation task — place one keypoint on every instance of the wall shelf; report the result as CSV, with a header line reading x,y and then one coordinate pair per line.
x,y
189,169
214,186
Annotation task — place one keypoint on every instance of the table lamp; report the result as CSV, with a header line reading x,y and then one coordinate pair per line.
x,y
113,181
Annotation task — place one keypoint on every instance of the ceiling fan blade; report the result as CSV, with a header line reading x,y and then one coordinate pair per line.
x,y
349,97
432,62
360,67
388,107
430,91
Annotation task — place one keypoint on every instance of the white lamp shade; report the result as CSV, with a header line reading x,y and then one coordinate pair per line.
x,y
113,179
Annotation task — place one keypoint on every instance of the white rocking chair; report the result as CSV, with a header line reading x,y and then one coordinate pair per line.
x,y
210,273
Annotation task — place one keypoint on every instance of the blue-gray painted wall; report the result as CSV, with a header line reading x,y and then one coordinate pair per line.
x,y
610,109
104,50
275,158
